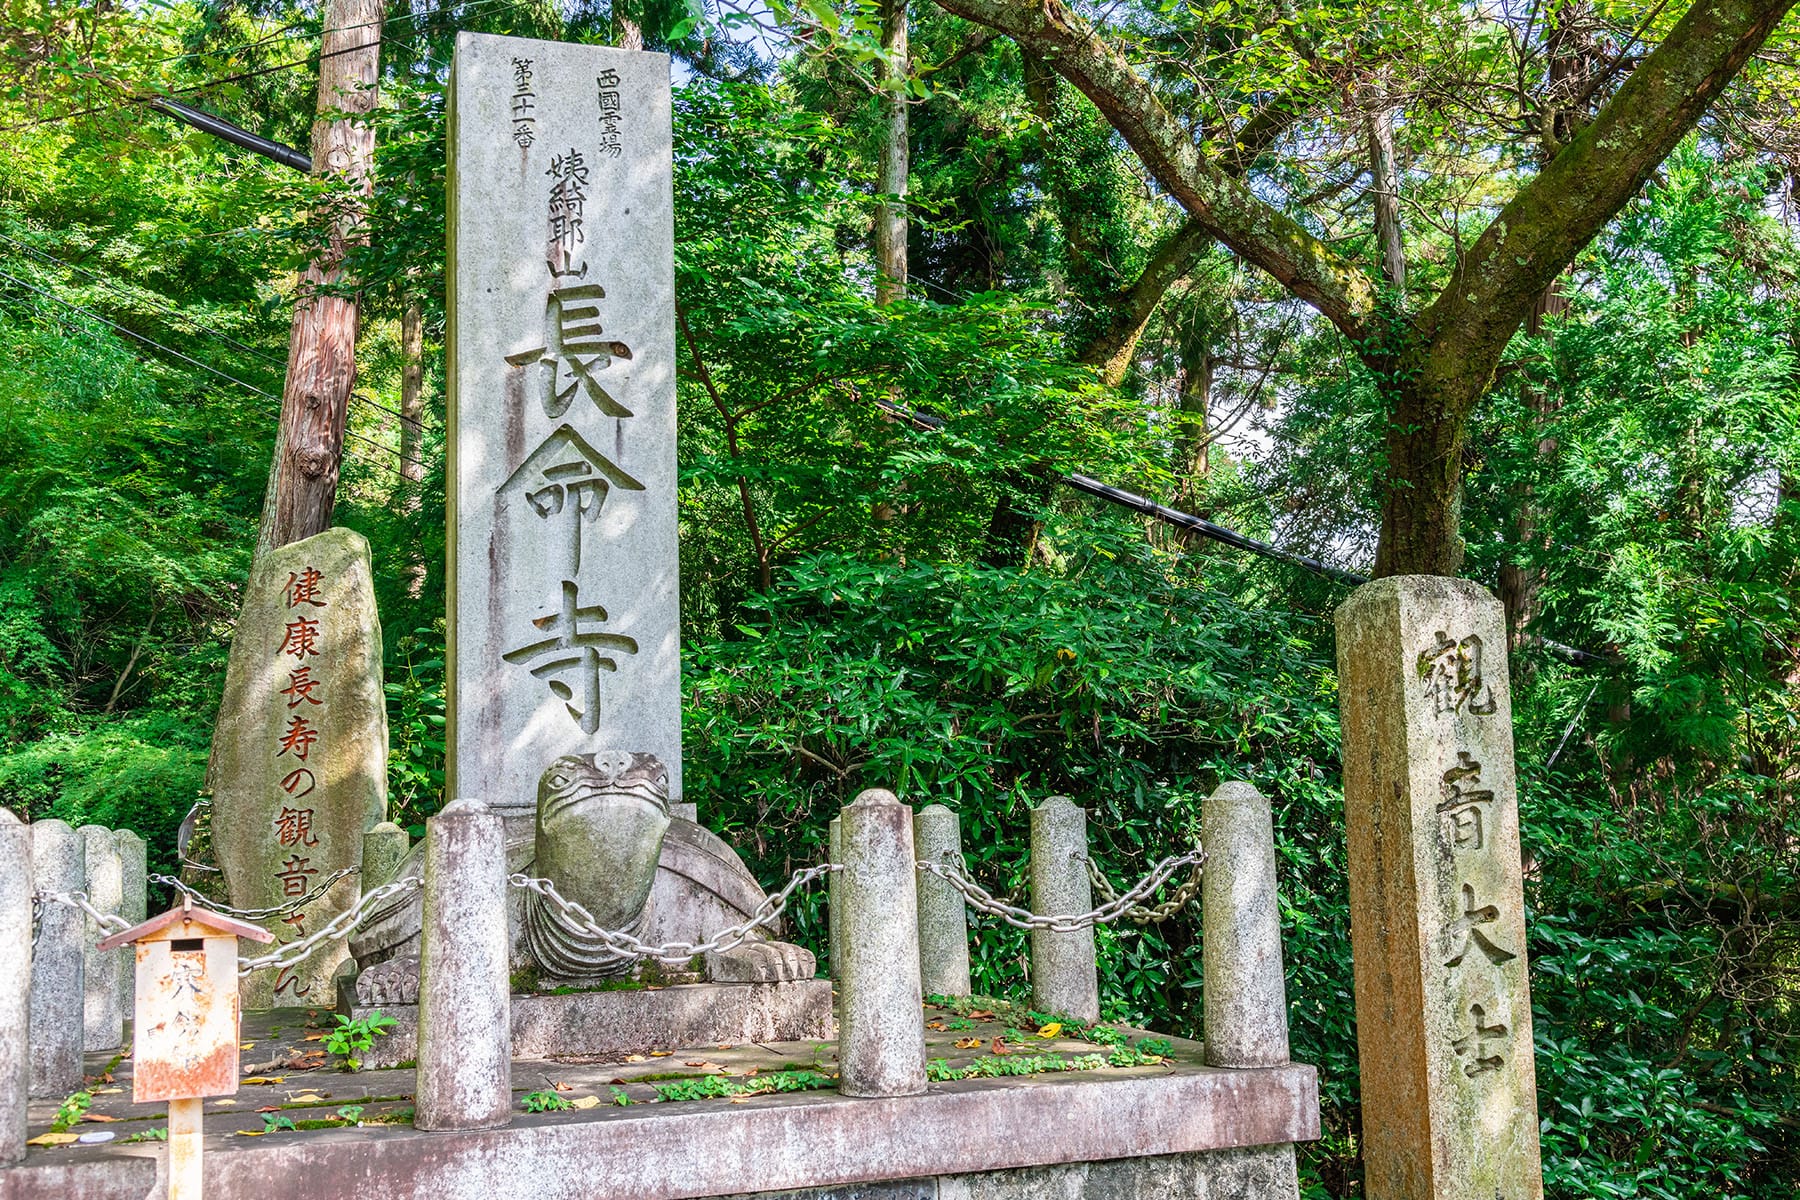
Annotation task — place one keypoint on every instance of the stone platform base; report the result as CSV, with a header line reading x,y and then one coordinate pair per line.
x,y
630,1020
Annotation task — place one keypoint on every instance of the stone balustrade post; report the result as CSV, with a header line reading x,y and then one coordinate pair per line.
x,y
881,1026
1064,975
464,1075
834,896
15,984
1246,995
383,846
943,915
103,1021
134,906
57,865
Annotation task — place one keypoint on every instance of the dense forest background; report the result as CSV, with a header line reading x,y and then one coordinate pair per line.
x,y
872,600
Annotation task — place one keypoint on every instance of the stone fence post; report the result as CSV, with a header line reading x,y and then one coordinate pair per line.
x,y
1437,913
103,1021
881,1025
943,915
57,865
834,897
134,906
1064,976
1245,995
15,984
464,1076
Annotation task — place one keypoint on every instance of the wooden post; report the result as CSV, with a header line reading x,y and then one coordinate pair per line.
x,y
321,369
185,1174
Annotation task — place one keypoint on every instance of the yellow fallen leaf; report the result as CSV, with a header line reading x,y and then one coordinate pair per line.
x,y
1050,1030
97,1117
224,1103
634,1058
52,1139
969,1044
661,1053
314,1037
107,1091
586,1102
306,1098
246,1045
251,1132
265,1079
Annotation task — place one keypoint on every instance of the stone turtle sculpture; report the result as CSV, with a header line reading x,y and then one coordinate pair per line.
x,y
605,838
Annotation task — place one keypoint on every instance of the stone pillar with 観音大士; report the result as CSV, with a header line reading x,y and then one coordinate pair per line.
x,y
1437,906
299,762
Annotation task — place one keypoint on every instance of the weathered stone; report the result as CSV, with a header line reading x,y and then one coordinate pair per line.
x,y
562,487
943,915
881,1032
600,823
1437,915
103,1021
134,906
1064,973
57,865
464,1078
383,848
834,894
15,984
299,761
1245,995
630,1020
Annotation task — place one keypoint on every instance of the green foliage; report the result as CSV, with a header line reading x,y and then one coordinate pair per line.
x,y
276,1122
352,1039
708,1087
70,1111
542,1101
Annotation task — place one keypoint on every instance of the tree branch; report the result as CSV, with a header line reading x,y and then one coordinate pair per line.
x,y
1226,208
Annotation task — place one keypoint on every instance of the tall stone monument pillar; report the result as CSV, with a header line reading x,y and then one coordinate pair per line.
x,y
562,531
1437,915
299,758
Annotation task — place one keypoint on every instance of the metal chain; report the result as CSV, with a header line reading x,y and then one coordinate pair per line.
x,y
110,923
1138,914
1115,908
255,914
340,926
623,943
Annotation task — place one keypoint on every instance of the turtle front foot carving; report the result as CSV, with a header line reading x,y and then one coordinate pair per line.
x,y
761,962
395,981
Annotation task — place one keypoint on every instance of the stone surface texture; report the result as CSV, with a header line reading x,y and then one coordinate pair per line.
x,y
57,865
102,1021
631,1020
15,984
834,891
383,849
464,1077
1245,995
881,1034
943,915
563,574
299,757
1436,904
1064,974
134,906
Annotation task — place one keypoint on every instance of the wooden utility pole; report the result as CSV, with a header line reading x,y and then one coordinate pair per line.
x,y
321,368
890,212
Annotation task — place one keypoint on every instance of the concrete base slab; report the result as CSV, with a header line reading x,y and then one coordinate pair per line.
x,y
631,1020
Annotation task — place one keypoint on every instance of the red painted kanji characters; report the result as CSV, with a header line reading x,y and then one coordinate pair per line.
x,y
293,875
301,686
298,739
294,827
303,588
301,639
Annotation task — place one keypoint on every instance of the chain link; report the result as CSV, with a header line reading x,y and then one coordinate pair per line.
x,y
340,926
582,921
109,923
1115,908
254,914
1137,914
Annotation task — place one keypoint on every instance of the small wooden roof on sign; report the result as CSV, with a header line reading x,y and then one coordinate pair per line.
x,y
188,922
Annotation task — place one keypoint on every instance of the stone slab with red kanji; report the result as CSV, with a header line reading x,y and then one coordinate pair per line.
x,y
299,762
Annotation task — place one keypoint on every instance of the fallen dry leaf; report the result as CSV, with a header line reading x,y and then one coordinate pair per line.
x,y
968,1043
661,1053
726,1046
246,1045
307,1098
616,1082
981,1014
634,1058
696,1062
560,1087
1000,1046
586,1102
93,1116
1050,1030
270,1108
314,1037
52,1139
254,1079
107,1091
224,1103
251,1132
937,1025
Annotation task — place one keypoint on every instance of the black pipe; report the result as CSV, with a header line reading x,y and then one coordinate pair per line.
x,y
205,122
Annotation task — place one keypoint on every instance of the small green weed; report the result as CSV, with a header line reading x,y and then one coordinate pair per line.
x,y
275,1123
353,1039
70,1111
542,1101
